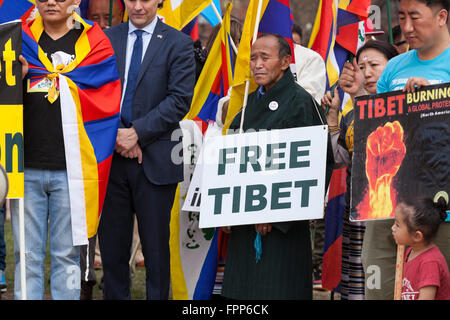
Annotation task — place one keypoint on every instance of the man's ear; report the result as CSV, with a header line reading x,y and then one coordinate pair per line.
x,y
285,62
442,16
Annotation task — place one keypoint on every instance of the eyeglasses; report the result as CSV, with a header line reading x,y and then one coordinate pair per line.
x,y
42,1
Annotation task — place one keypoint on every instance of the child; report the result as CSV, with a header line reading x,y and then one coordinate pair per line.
x,y
425,274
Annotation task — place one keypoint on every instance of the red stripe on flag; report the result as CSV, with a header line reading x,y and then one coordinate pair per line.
x,y
224,68
103,174
338,184
321,42
100,45
285,2
331,265
90,99
359,7
194,32
347,35
202,125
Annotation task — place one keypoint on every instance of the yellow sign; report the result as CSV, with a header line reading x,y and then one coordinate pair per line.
x,y
11,147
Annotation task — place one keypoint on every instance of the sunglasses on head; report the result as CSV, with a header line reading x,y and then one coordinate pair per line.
x,y
42,1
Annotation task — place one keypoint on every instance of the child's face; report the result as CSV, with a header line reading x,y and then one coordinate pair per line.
x,y
399,228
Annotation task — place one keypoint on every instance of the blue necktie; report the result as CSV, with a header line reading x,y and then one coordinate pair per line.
x,y
133,71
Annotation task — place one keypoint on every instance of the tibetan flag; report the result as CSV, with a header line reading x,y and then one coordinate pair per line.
x,y
178,13
89,92
191,29
275,16
332,256
215,79
194,251
337,33
15,9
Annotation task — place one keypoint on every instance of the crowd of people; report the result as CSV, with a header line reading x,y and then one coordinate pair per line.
x,y
158,67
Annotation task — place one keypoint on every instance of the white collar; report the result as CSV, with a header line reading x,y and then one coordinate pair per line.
x,y
150,28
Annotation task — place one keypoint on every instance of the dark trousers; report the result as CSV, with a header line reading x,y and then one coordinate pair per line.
x,y
129,192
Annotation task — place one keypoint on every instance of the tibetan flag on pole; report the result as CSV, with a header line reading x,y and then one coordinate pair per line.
x,y
266,16
178,13
194,251
15,9
337,34
216,77
89,91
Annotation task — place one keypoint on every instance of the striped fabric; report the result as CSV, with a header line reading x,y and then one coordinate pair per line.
x,y
194,251
338,32
15,9
89,89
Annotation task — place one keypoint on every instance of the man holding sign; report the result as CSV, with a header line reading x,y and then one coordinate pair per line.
x,y
284,268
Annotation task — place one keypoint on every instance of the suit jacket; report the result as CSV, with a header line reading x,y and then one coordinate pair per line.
x,y
163,95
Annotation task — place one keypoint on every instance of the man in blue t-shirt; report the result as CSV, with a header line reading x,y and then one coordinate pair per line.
x,y
424,24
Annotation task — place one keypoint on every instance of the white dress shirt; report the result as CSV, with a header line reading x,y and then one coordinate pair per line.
x,y
146,37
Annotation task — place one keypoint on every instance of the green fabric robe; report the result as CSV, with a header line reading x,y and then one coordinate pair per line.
x,y
285,268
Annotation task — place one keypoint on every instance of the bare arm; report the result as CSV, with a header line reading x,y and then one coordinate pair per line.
x,y
427,293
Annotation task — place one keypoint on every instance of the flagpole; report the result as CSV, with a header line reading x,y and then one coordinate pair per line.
x,y
110,12
399,272
220,19
388,7
247,82
23,278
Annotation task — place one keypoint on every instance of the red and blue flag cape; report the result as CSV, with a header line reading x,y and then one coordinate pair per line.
x,y
89,90
15,9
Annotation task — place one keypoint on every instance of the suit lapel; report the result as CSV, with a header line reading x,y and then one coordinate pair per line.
x,y
121,50
158,37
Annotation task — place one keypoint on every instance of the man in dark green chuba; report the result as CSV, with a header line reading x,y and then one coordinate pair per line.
x,y
284,270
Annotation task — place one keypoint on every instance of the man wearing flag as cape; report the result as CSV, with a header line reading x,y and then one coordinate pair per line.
x,y
71,108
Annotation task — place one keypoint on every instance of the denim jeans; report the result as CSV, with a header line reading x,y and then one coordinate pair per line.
x,y
2,239
47,212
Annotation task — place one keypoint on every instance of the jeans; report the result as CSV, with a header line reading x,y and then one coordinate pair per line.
x,y
2,239
47,212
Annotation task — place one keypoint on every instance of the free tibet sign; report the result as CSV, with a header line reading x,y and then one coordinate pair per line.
x,y
264,177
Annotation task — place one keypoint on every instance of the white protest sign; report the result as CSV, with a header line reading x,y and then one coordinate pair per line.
x,y
193,196
264,177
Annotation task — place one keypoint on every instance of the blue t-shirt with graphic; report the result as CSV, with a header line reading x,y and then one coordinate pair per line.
x,y
402,67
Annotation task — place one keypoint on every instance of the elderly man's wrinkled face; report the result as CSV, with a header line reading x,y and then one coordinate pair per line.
x,y
266,66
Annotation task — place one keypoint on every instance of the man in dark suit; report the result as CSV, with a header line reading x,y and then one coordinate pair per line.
x,y
157,68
